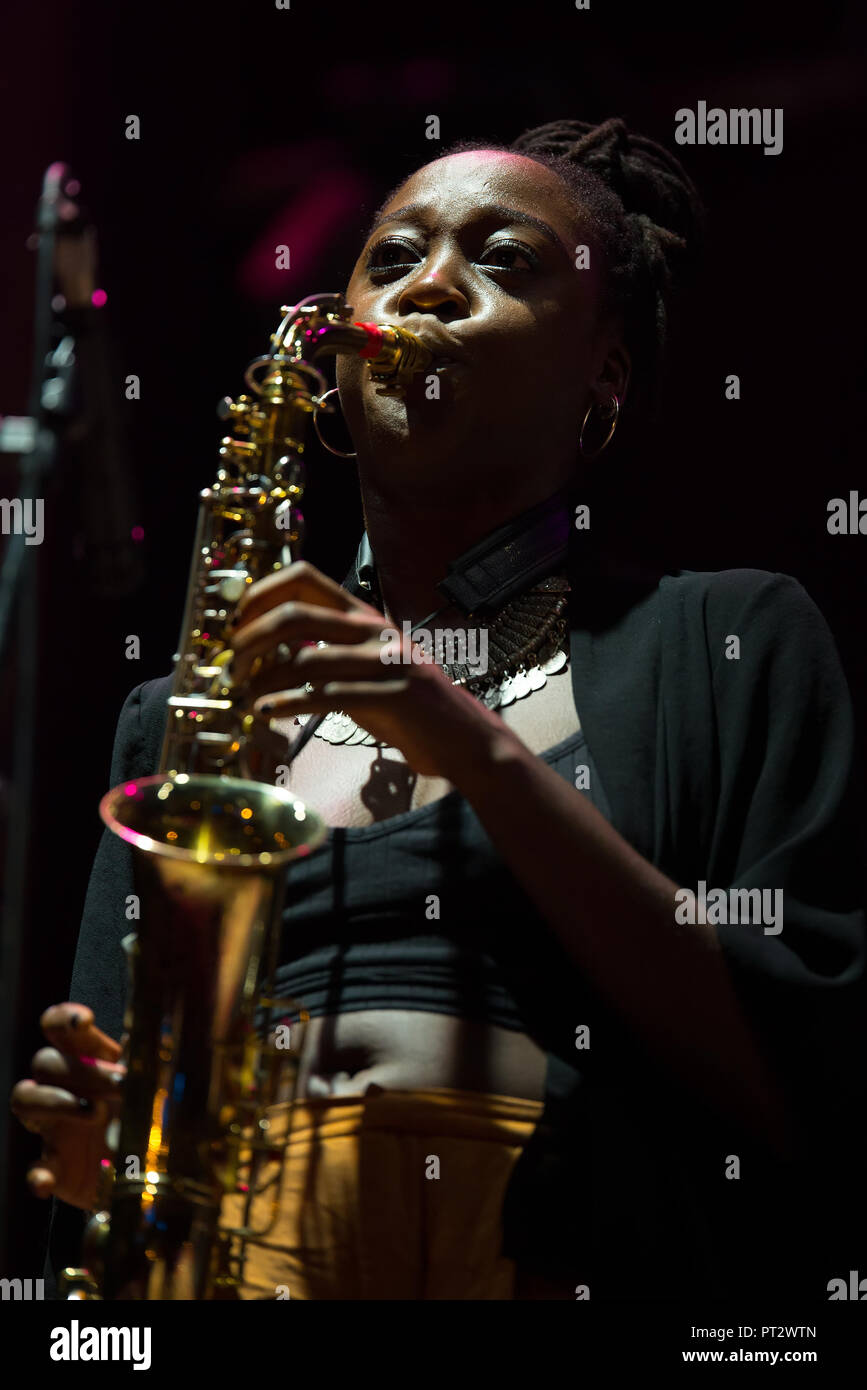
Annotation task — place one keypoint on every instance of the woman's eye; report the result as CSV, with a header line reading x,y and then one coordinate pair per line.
x,y
393,258
392,255
508,255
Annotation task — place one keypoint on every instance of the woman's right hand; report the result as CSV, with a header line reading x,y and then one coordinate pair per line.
x,y
74,1090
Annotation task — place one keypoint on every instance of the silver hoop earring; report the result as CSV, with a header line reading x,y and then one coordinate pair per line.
x,y
615,407
324,442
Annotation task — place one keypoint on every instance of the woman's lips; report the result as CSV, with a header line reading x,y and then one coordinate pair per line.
x,y
445,347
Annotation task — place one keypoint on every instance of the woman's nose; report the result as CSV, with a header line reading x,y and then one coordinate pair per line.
x,y
434,291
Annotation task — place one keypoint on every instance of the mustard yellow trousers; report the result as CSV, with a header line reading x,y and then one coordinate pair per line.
x,y
394,1195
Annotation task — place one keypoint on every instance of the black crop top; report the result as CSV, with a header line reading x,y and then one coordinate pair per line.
x,y
419,912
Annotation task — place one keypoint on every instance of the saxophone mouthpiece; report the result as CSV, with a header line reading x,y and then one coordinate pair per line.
x,y
394,356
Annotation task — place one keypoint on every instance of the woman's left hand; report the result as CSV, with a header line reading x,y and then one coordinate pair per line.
x,y
410,704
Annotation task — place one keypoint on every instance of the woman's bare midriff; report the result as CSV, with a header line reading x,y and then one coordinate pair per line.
x,y
410,1049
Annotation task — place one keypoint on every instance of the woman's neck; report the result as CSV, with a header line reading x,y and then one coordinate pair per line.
x,y
414,541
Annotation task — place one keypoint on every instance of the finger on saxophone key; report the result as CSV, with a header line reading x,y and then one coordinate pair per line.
x,y
70,1028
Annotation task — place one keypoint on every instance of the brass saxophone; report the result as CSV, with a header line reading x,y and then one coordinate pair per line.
x,y
212,845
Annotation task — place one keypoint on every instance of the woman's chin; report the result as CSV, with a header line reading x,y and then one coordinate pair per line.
x,y
414,421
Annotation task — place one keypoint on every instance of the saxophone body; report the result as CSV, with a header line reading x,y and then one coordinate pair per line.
x,y
204,1116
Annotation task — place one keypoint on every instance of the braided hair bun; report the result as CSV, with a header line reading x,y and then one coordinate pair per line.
x,y
650,183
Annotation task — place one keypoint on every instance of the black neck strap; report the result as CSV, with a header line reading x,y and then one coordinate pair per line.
x,y
505,563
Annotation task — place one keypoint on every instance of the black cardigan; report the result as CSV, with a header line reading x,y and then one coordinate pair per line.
x,y
737,772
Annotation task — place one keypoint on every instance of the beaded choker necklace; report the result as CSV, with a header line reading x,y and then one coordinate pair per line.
x,y
512,586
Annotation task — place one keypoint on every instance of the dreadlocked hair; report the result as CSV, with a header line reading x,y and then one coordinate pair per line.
x,y
645,215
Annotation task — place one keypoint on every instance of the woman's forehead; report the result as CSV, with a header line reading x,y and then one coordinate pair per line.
x,y
496,176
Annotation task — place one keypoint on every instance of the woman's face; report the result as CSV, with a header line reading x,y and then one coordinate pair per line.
x,y
476,253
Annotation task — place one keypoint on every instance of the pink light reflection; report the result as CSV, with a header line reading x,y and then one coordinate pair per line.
x,y
306,226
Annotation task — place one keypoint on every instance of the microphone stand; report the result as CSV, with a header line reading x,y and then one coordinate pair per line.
x,y
35,439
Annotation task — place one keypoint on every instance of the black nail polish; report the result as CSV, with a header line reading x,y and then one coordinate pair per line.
x,y
85,1105
74,1020
266,709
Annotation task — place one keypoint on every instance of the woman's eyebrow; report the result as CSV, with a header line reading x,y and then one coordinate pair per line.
x,y
507,214
514,215
400,214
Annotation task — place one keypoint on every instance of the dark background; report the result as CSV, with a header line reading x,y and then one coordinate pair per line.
x,y
261,127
